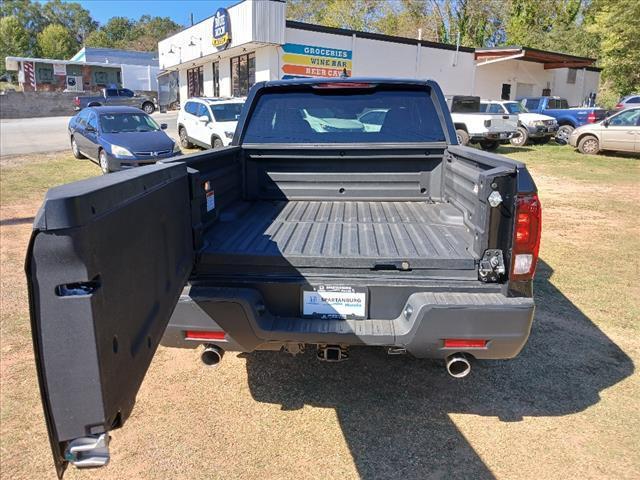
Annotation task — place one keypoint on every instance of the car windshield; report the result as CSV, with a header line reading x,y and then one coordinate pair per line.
x,y
127,122
226,112
341,116
515,107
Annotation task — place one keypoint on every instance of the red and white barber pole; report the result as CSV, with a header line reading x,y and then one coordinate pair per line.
x,y
29,74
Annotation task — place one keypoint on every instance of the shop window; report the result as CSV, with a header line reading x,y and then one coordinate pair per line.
x,y
195,83
216,79
100,78
243,74
44,74
571,75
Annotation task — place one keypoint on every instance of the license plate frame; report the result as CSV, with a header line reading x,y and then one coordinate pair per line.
x,y
346,302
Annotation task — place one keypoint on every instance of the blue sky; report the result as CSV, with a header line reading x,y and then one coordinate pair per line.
x,y
178,10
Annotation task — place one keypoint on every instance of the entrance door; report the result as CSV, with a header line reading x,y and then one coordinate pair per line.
x,y
106,264
506,92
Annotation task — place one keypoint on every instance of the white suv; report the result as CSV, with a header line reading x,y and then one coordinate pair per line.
x,y
208,122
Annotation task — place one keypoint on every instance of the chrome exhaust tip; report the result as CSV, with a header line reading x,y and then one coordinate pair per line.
x,y
458,365
211,355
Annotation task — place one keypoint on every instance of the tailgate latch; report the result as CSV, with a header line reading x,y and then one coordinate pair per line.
x,y
491,266
88,452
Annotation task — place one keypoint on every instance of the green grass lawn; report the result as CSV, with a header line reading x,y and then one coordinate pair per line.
x,y
28,178
575,418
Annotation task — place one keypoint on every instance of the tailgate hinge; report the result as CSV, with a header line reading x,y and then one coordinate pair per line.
x,y
491,267
88,452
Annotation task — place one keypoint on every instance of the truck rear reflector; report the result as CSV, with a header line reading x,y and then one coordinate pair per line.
x,y
203,335
526,237
464,343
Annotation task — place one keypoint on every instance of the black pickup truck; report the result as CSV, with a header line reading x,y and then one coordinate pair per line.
x,y
306,232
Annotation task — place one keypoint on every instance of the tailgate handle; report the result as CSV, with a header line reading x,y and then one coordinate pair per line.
x,y
400,265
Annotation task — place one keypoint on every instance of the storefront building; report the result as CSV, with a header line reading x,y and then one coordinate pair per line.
x,y
225,54
88,70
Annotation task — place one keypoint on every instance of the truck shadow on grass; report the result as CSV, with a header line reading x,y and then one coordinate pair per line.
x,y
394,411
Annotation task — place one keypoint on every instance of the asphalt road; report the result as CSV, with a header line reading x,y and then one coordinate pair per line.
x,y
49,134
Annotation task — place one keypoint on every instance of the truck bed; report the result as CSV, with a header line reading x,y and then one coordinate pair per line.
x,y
340,234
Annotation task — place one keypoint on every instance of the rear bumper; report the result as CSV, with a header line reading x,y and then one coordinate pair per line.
x,y
426,320
492,136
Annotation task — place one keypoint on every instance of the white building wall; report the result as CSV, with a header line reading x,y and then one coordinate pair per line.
x,y
140,77
225,77
184,91
453,72
207,79
376,58
251,21
266,63
587,82
525,78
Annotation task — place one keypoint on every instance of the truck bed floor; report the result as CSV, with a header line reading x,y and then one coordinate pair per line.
x,y
340,234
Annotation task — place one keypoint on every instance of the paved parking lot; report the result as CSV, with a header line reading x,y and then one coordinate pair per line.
x,y
23,136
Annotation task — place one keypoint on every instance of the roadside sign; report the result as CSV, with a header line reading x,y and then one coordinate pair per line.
x,y
315,61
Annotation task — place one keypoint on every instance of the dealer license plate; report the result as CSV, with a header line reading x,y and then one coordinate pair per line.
x,y
334,302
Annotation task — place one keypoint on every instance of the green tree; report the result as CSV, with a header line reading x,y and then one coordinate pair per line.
x,y
352,14
71,16
617,25
55,41
148,31
28,15
99,38
116,33
14,40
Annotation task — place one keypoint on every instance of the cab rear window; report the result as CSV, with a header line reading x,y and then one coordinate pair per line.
x,y
343,116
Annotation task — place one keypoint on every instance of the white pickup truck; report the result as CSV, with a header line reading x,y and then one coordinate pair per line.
x,y
489,130
532,127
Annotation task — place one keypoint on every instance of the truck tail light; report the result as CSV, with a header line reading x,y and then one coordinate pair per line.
x,y
526,237
344,85
464,343
591,118
203,335
76,101
619,106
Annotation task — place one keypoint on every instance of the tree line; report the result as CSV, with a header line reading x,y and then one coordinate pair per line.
x,y
604,29
57,30
608,30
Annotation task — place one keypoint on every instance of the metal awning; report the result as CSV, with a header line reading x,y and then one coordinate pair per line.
x,y
11,63
551,60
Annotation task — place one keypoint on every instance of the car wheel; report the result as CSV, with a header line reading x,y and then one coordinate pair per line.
x,y
520,140
216,143
489,145
104,162
148,107
562,136
184,139
462,136
589,145
75,150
